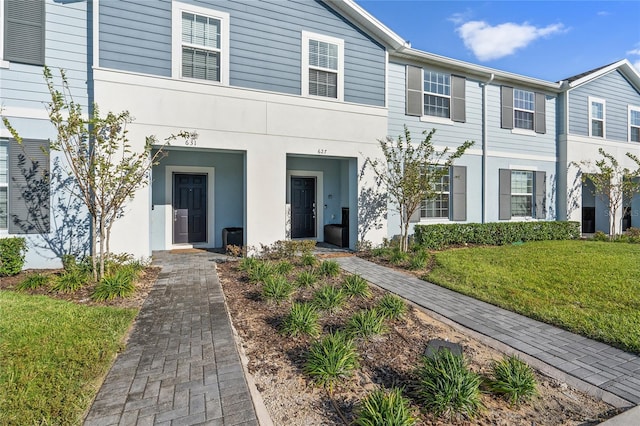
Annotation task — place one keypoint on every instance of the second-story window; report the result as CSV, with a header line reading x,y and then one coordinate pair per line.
x,y
200,43
596,117
437,94
634,124
322,66
523,109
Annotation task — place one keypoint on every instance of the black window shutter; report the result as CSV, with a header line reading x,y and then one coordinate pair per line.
x,y
540,122
24,31
458,98
507,107
414,100
29,187
504,211
540,187
459,191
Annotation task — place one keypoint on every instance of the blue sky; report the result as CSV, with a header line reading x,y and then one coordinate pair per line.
x,y
550,40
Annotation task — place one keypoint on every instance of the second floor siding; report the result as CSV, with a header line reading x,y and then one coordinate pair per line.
x,y
449,134
265,43
65,47
616,94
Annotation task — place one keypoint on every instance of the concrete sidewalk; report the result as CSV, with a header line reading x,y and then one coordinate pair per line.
x,y
596,368
181,365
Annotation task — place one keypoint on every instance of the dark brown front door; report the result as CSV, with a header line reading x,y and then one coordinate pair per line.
x,y
303,207
189,208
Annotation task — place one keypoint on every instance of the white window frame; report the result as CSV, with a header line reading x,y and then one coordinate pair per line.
x,y
439,95
532,111
424,203
531,194
593,100
6,185
306,37
176,40
636,109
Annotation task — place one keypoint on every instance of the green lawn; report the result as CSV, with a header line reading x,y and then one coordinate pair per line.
x,y
53,356
591,288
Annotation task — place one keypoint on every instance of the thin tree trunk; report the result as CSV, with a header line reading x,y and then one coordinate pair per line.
x,y
101,248
94,242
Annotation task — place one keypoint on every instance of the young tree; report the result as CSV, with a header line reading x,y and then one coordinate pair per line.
x,y
107,170
409,173
612,183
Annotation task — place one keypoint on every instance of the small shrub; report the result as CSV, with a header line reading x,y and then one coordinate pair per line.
x,y
447,387
234,251
382,408
33,281
285,249
381,252
354,285
69,281
331,359
398,256
69,262
514,379
600,236
364,246
276,289
419,260
329,268
308,259
119,284
306,279
247,263
366,323
261,271
329,298
302,319
391,306
283,267
12,254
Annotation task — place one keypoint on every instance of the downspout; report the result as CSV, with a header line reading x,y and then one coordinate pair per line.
x,y
484,144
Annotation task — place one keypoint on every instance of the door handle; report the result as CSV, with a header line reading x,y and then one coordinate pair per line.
x,y
175,215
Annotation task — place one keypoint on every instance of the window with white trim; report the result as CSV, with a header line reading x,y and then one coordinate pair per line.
x,y
634,124
437,207
521,193
4,183
437,94
596,117
200,43
523,109
322,66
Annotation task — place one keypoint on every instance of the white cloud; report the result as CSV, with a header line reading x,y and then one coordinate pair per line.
x,y
634,52
493,42
604,13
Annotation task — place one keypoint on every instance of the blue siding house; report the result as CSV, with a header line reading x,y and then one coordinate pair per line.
x,y
598,109
32,204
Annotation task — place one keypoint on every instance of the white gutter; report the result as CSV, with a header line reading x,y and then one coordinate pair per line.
x,y
484,143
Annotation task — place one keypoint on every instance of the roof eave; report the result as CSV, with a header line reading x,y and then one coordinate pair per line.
x,y
629,71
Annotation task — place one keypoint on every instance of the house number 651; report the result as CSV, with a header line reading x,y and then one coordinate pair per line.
x,y
190,142
322,151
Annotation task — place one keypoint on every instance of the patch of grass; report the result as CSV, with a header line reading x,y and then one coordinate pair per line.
x,y
331,359
419,260
587,287
514,379
329,268
447,387
283,267
262,270
276,289
391,306
307,259
120,284
302,319
70,281
247,263
329,298
33,281
398,257
381,408
366,323
356,286
306,279
53,356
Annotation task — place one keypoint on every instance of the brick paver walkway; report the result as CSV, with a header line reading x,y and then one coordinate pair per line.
x,y
181,365
615,373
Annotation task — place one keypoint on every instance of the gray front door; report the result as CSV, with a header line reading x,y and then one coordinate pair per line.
x,y
189,208
303,207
